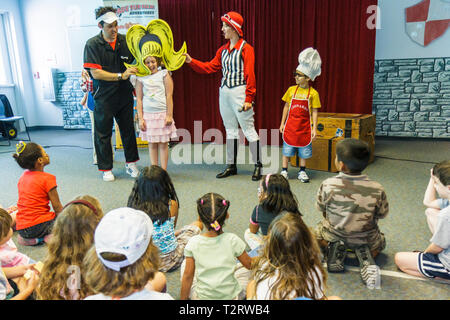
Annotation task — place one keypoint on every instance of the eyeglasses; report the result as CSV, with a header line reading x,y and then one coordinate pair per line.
x,y
296,74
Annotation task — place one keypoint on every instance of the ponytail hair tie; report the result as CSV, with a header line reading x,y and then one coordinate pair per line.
x,y
215,225
224,202
20,147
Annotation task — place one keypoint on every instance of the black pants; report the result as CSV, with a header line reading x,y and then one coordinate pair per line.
x,y
104,114
37,231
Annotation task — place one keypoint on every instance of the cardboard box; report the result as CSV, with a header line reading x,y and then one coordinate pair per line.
x,y
332,127
324,152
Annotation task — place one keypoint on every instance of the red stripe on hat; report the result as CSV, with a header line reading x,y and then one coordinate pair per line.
x,y
435,29
92,66
418,12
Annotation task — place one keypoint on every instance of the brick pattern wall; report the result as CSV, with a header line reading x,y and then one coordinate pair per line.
x,y
68,96
412,98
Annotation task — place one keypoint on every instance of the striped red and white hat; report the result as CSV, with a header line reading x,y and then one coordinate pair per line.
x,y
235,20
427,20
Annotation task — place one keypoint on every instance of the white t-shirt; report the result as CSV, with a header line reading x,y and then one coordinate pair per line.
x,y
154,92
140,295
263,290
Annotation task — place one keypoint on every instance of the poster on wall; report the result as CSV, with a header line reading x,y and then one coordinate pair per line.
x,y
132,12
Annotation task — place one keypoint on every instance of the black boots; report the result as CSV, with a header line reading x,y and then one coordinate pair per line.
x,y
230,170
257,172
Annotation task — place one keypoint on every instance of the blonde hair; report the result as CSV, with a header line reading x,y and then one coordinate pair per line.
x,y
124,282
154,40
73,235
291,253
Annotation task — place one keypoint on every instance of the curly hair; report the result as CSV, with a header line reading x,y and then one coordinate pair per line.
x,y
73,235
28,156
152,191
291,256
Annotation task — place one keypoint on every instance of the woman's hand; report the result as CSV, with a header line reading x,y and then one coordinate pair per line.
x,y
188,57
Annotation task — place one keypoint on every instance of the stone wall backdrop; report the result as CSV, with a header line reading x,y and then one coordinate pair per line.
x,y
68,96
412,97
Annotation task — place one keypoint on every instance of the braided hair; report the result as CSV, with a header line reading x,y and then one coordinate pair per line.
x,y
212,209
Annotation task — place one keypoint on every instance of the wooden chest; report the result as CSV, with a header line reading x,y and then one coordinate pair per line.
x,y
332,127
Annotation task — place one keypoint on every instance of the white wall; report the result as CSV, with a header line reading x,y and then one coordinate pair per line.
x,y
392,41
22,96
47,24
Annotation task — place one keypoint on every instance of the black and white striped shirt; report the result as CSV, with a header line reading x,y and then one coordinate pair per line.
x,y
233,68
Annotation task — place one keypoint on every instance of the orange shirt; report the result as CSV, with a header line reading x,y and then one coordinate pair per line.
x,y
33,204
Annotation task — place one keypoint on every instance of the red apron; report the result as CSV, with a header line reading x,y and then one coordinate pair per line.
x,y
297,130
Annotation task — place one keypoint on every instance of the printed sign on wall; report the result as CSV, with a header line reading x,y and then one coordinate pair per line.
x,y
134,12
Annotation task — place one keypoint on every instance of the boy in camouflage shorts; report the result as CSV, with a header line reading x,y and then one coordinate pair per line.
x,y
351,205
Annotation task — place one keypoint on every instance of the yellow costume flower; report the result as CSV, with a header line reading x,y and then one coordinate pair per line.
x,y
154,40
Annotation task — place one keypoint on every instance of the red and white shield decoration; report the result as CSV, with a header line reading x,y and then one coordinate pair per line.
x,y
427,20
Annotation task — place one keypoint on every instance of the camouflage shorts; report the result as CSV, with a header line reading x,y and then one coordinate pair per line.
x,y
173,260
376,240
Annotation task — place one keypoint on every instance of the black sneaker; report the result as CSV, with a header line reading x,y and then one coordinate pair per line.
x,y
336,256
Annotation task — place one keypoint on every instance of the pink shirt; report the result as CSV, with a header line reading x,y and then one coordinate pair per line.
x,y
11,257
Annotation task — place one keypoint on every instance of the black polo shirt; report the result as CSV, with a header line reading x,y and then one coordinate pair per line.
x,y
98,54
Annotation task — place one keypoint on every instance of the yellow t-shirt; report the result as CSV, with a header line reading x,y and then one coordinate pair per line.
x,y
314,100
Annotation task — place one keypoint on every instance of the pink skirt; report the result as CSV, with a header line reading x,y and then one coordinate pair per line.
x,y
157,131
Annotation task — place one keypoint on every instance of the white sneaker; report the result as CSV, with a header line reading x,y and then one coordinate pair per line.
x,y
108,176
132,170
303,177
284,173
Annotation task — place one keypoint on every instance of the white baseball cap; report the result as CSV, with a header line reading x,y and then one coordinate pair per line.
x,y
310,63
125,231
108,17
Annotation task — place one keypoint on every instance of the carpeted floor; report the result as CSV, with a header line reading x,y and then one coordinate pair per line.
x,y
401,166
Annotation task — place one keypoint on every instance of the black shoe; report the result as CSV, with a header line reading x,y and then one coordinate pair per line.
x,y
230,170
257,172
336,256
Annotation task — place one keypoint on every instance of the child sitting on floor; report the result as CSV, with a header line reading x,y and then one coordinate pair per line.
x,y
36,189
275,196
153,192
434,205
351,205
9,256
289,266
123,262
434,262
62,276
210,264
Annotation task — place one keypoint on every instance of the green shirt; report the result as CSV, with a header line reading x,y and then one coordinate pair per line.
x,y
215,262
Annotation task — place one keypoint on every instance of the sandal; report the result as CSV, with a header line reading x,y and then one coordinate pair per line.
x,y
336,256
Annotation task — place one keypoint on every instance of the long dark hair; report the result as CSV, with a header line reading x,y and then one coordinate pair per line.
x,y
279,195
151,193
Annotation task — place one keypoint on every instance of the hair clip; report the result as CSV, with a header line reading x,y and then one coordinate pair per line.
x,y
20,147
224,202
215,225
201,201
267,180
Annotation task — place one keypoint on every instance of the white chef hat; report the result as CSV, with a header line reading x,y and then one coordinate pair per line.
x,y
310,63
